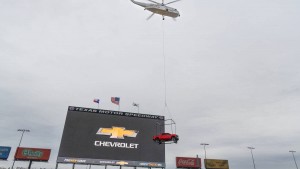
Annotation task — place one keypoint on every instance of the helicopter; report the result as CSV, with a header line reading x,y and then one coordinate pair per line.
x,y
159,8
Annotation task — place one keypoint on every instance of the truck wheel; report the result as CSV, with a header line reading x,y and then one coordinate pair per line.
x,y
174,140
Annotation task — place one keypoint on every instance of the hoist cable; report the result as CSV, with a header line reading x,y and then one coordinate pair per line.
x,y
166,109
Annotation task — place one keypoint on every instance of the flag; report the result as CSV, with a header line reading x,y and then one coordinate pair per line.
x,y
135,104
115,100
97,100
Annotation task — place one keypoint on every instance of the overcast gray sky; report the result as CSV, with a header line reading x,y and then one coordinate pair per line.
x,y
232,72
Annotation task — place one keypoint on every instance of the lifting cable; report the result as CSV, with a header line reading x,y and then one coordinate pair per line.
x,y
166,109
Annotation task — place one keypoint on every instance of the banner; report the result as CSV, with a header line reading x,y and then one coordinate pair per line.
x,y
4,152
32,154
216,164
188,162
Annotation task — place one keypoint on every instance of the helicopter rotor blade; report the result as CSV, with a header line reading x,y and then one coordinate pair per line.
x,y
153,2
172,2
149,17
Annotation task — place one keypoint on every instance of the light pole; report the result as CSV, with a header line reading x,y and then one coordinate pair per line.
x,y
252,148
23,131
291,151
204,145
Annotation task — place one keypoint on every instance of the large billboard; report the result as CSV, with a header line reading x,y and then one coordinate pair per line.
x,y
105,137
32,154
4,152
216,164
188,162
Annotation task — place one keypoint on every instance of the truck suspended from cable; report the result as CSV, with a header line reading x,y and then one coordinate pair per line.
x,y
163,137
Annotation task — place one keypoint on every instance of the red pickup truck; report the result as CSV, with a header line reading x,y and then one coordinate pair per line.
x,y
165,137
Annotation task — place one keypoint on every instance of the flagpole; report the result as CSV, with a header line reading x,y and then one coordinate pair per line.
x,y
97,101
136,105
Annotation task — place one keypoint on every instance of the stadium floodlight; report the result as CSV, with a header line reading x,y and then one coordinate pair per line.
x,y
292,151
252,148
23,131
204,145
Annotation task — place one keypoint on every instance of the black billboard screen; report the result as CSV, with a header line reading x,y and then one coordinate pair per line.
x,y
105,137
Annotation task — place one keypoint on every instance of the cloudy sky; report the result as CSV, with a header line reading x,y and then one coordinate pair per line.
x,y
232,73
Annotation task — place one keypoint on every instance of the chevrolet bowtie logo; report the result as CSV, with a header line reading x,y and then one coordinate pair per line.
x,y
122,163
117,132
